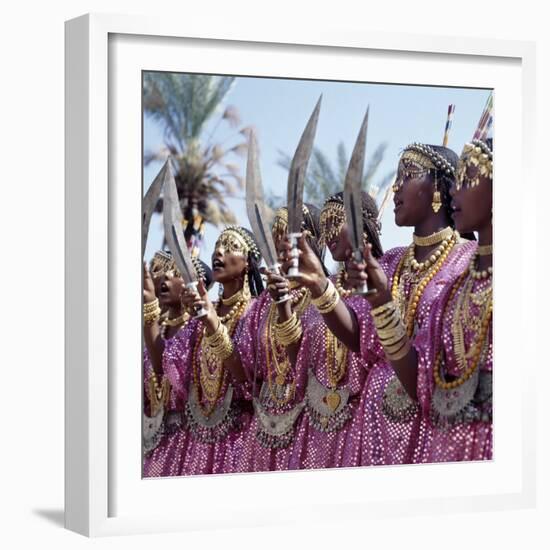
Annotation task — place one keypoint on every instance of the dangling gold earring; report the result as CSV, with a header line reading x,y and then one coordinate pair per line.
x,y
436,199
246,286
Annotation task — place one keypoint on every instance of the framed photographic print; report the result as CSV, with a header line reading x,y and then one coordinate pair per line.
x,y
254,334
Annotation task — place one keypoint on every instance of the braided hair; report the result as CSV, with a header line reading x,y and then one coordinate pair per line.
x,y
254,259
446,180
312,224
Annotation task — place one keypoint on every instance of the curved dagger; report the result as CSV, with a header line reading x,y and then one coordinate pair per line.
x,y
149,203
295,187
255,208
173,234
353,199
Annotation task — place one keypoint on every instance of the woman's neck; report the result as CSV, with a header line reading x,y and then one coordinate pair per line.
x,y
232,287
174,311
431,225
485,239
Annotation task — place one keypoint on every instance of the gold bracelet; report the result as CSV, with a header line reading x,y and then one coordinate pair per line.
x,y
330,306
217,334
327,293
400,354
286,324
388,322
150,318
395,337
384,307
288,332
291,338
328,300
151,306
219,343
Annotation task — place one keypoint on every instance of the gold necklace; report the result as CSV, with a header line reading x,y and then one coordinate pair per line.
x,y
409,307
463,319
458,340
277,355
485,249
436,254
336,361
232,299
211,381
176,321
434,238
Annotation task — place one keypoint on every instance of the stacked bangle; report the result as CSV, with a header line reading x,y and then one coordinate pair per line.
x,y
391,331
219,343
151,312
328,300
288,332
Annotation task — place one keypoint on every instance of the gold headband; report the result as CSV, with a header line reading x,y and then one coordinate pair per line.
x,y
479,155
243,238
428,158
418,159
162,263
280,221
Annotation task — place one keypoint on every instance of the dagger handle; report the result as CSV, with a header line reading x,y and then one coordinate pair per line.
x,y
362,290
285,297
293,270
198,312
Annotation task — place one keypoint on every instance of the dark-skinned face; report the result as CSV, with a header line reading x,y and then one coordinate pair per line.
x,y
229,260
472,205
413,197
170,287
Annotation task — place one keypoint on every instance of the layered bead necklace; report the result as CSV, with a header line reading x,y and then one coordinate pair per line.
x,y
336,352
280,392
209,374
419,274
463,320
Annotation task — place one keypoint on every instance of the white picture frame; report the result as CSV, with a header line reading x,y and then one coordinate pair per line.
x,y
101,498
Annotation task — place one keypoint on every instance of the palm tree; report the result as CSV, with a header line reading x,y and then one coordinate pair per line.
x,y
182,105
322,180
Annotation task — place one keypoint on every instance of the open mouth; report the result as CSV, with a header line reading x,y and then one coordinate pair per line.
x,y
217,265
164,288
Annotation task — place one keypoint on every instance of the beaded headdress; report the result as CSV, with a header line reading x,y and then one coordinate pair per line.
x,y
280,221
243,238
423,156
333,217
477,153
163,263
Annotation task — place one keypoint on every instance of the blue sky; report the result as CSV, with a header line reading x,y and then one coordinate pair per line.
x,y
279,110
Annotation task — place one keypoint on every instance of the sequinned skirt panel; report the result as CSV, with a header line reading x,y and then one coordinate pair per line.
x,y
254,457
387,440
219,457
168,457
464,442
312,448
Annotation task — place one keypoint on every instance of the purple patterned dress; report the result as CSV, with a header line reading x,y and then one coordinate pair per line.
x,y
328,434
214,433
277,392
165,436
394,431
460,418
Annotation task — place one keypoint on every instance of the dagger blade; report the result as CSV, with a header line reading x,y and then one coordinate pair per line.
x,y
297,172
352,187
149,203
